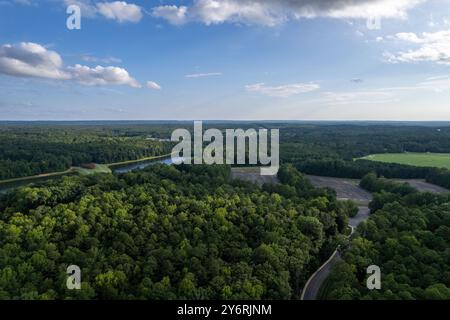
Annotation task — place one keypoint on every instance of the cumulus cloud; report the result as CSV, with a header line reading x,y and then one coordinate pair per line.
x,y
120,11
173,14
203,75
29,59
432,47
273,12
409,37
282,91
153,85
102,76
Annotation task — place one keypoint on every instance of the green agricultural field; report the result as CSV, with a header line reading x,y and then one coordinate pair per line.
x,y
438,160
99,168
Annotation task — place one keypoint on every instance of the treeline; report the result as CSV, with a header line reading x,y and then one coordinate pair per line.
x,y
333,150
440,177
166,232
328,150
359,168
407,236
26,151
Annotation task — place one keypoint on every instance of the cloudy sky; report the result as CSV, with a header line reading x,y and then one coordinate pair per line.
x,y
226,59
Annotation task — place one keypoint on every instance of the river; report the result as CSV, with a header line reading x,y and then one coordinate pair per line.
x,y
121,169
142,165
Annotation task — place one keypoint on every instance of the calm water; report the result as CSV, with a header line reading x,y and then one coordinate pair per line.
x,y
142,165
124,169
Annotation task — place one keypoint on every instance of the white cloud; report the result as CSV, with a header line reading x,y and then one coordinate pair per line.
x,y
173,14
409,37
153,85
282,91
102,76
203,75
273,12
120,11
29,59
434,47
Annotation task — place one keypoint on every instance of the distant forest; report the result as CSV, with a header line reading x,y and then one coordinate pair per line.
x,y
33,149
320,149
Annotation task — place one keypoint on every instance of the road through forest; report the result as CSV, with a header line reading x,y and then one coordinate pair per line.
x,y
349,189
346,189
312,287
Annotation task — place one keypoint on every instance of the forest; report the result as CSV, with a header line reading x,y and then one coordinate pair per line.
x,y
166,232
27,150
408,236
192,232
331,150
321,149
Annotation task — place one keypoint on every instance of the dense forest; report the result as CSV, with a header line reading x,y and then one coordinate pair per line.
x,y
27,150
166,232
320,149
408,236
192,232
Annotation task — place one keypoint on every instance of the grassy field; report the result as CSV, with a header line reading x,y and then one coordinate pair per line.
x,y
99,168
438,160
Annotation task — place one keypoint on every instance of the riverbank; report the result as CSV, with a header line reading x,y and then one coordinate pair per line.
x,y
130,162
71,170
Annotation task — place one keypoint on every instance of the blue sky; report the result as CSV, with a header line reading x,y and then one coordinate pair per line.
x,y
228,59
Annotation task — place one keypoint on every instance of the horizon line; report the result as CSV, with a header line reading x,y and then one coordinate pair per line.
x,y
216,120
